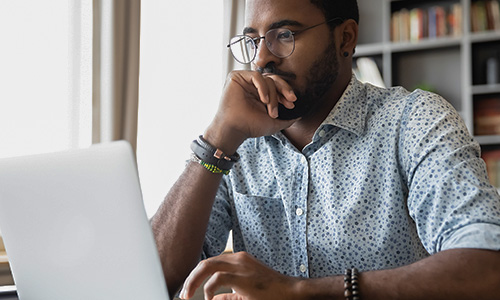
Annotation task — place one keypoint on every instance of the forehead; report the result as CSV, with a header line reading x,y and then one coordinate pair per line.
x,y
261,13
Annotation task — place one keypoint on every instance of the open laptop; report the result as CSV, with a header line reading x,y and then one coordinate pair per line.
x,y
75,227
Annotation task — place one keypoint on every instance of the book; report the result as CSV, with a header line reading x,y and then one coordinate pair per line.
x,y
395,35
487,116
416,24
479,20
493,14
432,22
455,20
441,22
404,25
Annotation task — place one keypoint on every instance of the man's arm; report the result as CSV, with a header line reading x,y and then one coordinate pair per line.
x,y
451,274
248,108
180,223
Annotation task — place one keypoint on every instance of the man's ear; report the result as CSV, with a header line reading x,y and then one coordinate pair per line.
x,y
349,35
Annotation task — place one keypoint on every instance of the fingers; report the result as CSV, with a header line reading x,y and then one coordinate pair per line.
x,y
218,280
272,105
202,271
273,89
248,277
286,93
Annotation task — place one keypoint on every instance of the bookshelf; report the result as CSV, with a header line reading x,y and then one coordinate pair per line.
x,y
457,64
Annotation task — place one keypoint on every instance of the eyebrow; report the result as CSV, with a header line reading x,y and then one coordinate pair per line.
x,y
274,25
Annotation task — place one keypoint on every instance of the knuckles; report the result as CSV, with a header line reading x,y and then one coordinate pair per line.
x,y
243,257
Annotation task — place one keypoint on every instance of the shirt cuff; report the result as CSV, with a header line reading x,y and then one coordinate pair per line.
x,y
479,236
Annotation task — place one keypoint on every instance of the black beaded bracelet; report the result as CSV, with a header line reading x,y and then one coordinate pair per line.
x,y
212,155
351,284
347,284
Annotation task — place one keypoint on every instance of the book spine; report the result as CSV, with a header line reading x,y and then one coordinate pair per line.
x,y
432,22
493,14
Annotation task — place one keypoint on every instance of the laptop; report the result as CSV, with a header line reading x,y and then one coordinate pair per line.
x,y
75,227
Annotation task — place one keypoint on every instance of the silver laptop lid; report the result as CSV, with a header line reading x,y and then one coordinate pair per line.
x,y
75,227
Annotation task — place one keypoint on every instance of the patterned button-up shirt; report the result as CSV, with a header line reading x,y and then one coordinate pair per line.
x,y
389,178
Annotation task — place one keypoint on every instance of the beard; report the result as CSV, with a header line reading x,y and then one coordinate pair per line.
x,y
319,80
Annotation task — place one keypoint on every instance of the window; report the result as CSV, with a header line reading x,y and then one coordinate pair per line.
x,y
45,59
181,80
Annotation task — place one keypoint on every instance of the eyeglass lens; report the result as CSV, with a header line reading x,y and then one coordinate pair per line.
x,y
280,43
243,48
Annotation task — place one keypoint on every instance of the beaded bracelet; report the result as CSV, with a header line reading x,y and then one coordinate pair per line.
x,y
212,168
351,284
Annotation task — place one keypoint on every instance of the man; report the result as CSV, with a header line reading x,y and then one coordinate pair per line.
x,y
383,180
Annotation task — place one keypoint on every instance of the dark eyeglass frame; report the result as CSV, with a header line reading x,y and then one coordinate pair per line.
x,y
256,40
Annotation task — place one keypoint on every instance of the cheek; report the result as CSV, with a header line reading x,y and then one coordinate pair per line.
x,y
302,71
302,63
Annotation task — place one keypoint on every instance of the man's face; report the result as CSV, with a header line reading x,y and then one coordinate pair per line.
x,y
312,68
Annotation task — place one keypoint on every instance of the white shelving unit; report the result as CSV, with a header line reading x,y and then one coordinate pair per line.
x,y
449,64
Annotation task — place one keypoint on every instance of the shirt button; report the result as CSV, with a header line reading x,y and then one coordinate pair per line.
x,y
303,160
299,211
321,133
303,268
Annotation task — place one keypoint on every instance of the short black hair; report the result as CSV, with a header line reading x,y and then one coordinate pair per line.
x,y
345,9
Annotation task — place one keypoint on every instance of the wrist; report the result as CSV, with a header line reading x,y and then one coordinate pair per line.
x,y
330,288
228,142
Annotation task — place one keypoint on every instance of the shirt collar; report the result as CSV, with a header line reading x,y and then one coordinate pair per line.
x,y
350,111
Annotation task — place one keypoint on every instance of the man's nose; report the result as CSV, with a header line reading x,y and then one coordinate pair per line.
x,y
263,56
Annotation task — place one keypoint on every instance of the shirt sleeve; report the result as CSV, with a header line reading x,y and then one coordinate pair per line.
x,y
481,236
449,194
220,222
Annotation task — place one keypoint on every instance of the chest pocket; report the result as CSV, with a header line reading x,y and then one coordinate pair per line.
x,y
256,193
258,204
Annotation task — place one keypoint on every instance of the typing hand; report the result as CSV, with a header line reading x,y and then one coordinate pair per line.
x,y
245,275
249,108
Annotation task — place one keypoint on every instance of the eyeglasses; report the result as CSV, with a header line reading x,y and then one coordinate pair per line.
x,y
279,41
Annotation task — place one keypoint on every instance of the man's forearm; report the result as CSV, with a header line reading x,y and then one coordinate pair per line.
x,y
180,223
452,274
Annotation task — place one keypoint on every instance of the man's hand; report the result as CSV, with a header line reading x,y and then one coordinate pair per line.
x,y
249,108
249,279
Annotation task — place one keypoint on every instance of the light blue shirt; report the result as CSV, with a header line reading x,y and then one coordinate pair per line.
x,y
389,178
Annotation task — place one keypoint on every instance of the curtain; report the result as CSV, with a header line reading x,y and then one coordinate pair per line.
x,y
116,26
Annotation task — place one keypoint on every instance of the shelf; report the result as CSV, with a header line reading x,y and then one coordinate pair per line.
x,y
426,44
487,139
486,89
370,49
486,36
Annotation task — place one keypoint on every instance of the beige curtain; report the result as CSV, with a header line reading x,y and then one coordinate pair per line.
x,y
115,70
234,21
